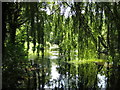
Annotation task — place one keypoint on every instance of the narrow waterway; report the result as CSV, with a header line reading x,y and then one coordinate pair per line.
x,y
67,79
55,72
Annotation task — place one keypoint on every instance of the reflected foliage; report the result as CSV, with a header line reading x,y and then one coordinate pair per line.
x,y
80,38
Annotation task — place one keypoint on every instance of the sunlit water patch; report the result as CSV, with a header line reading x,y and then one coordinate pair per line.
x,y
53,57
102,81
55,75
54,46
55,53
54,72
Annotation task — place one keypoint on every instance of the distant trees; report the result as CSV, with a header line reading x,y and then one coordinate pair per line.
x,y
90,28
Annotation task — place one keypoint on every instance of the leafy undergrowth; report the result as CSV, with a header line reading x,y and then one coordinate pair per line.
x,y
84,61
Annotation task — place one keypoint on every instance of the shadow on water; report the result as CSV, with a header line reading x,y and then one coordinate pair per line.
x,y
54,72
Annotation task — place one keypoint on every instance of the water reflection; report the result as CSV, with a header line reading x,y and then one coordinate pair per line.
x,y
53,57
54,76
102,81
85,76
54,72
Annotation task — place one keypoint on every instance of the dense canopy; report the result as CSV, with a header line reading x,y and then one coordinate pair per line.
x,y
81,30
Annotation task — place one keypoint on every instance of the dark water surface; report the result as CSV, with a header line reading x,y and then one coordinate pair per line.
x,y
54,72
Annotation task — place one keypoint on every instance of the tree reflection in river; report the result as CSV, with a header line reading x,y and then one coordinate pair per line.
x,y
56,73
83,76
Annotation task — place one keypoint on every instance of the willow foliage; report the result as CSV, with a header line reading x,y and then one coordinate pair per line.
x,y
91,29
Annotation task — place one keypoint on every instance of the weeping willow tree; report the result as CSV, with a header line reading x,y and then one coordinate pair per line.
x,y
81,30
93,29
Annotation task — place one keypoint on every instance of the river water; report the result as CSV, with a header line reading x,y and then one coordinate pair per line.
x,y
56,75
53,72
